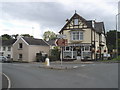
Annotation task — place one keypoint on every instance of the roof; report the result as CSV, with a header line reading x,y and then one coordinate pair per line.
x,y
51,42
99,27
8,42
89,23
34,41
74,16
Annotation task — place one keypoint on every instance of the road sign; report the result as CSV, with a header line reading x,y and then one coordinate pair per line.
x,y
61,36
61,42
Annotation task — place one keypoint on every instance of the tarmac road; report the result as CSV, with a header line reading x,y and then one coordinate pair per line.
x,y
25,75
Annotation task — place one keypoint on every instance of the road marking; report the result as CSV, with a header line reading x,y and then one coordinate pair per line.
x,y
83,65
9,82
75,66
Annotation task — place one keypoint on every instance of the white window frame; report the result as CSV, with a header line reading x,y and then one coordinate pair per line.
x,y
79,35
88,48
66,49
76,21
9,48
4,48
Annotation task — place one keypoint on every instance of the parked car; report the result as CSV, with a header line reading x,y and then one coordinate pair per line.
x,y
4,59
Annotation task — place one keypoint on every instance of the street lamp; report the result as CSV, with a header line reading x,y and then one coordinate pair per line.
x,y
117,34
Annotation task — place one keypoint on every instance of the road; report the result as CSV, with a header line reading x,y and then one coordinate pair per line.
x,y
27,75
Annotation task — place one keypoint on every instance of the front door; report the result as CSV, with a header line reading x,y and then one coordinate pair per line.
x,y
78,49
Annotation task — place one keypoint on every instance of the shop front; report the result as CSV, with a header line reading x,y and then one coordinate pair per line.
x,y
77,51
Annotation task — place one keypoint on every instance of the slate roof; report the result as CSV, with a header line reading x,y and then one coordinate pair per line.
x,y
74,16
51,42
8,42
34,41
99,27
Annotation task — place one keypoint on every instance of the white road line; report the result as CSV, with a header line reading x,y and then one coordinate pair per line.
x,y
83,65
9,82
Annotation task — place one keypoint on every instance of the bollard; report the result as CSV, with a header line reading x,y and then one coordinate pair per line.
x,y
47,62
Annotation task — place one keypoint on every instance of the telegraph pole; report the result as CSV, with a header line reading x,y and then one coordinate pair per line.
x,y
117,34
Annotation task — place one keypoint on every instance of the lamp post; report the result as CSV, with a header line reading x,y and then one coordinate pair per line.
x,y
117,34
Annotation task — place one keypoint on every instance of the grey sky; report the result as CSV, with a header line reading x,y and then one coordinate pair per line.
x,y
52,15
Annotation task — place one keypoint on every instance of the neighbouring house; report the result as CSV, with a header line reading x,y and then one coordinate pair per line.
x,y
26,48
6,49
86,39
51,43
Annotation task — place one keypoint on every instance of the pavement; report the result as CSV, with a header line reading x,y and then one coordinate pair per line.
x,y
64,66
67,65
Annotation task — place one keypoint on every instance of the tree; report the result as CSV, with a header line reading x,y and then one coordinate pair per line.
x,y
14,36
55,54
111,40
26,35
6,37
49,35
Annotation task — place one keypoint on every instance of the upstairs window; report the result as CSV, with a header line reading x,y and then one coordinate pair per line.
x,y
77,35
75,21
4,48
9,48
20,46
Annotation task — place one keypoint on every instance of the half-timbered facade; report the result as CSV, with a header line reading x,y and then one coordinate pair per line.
x,y
86,39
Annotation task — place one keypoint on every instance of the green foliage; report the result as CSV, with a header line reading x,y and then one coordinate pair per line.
x,y
118,58
6,37
55,54
111,40
14,36
26,35
49,35
38,57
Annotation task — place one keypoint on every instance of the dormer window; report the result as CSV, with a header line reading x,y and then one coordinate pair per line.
x,y
20,46
75,21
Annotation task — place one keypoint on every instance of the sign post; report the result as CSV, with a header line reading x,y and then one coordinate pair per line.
x,y
61,42
61,55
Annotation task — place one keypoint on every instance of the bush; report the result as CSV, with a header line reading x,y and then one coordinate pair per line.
x,y
55,54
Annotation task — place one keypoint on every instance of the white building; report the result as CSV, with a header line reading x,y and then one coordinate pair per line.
x,y
6,49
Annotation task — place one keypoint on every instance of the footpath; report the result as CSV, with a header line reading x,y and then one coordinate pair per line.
x,y
65,65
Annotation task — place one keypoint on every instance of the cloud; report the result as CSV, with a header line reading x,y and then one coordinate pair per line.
x,y
52,15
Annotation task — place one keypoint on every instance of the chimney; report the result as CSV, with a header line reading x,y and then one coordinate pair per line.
x,y
18,37
67,20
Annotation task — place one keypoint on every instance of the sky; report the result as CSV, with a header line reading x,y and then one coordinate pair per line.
x,y
34,17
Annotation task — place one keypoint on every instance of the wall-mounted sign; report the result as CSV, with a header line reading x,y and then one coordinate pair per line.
x,y
61,36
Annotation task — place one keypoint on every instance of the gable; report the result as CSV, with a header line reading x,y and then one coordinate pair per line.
x,y
20,40
75,22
